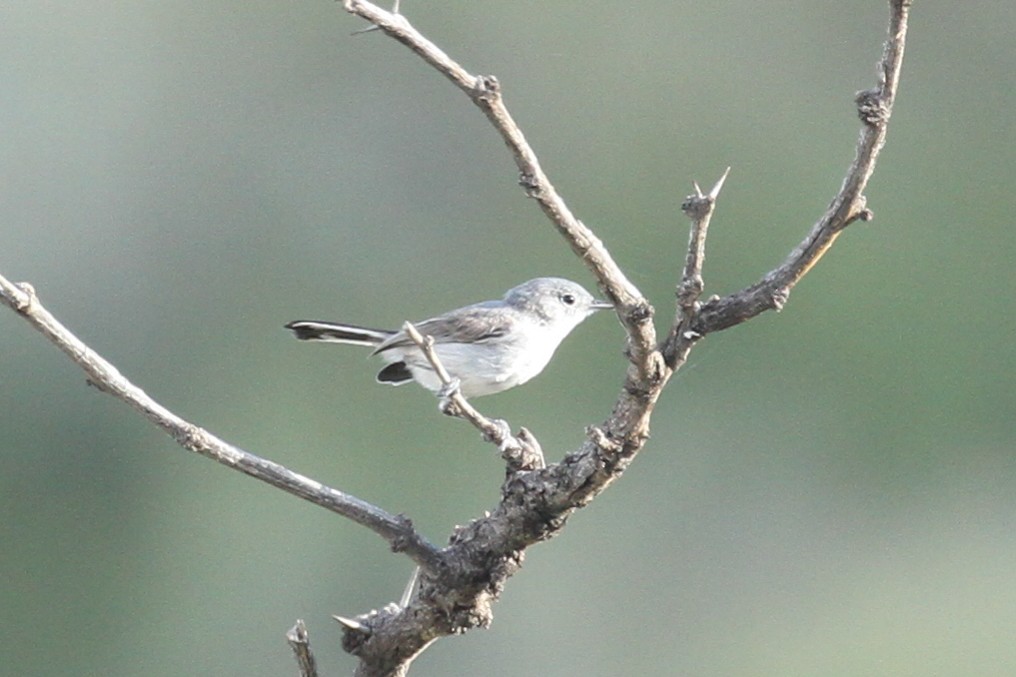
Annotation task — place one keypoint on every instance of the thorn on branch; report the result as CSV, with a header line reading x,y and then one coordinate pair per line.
x,y
718,186
407,592
352,625
368,29
354,633
699,204
699,208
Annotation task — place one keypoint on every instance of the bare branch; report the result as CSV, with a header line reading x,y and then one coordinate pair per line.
x,y
396,529
299,642
535,505
521,453
458,584
874,107
699,208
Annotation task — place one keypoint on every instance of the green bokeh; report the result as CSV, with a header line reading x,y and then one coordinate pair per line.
x,y
828,491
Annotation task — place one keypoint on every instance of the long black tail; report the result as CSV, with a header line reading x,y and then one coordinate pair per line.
x,y
332,332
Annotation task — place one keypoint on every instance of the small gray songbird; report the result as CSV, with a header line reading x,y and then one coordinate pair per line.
x,y
488,347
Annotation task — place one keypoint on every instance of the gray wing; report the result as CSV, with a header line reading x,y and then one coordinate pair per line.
x,y
472,324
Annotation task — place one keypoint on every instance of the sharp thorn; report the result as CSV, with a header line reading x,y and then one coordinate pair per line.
x,y
407,594
719,184
368,29
350,623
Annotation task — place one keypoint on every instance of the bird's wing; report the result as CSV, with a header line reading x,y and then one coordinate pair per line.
x,y
469,325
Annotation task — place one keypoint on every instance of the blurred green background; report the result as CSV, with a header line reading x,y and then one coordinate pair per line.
x,y
828,491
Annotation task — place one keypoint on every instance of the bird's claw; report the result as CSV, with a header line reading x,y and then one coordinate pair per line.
x,y
450,389
446,398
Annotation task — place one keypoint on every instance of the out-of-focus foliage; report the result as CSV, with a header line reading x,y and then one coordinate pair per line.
x,y
828,491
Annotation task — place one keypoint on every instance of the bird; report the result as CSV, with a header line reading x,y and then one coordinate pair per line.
x,y
486,347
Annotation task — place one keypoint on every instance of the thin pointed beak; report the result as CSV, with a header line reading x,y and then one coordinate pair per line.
x,y
597,304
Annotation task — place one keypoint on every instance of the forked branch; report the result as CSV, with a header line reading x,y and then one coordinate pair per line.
x,y
874,107
535,505
458,584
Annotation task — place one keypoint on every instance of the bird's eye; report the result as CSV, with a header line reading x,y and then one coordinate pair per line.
x,y
568,299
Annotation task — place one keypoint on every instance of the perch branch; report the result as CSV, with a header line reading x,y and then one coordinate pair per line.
x,y
521,452
396,529
535,505
458,585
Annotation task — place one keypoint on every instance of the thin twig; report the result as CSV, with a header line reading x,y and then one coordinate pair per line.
x,y
299,642
522,452
874,107
396,529
699,208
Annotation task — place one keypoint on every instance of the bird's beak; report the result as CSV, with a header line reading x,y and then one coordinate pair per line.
x,y
601,305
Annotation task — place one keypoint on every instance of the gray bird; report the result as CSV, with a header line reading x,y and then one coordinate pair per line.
x,y
488,347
